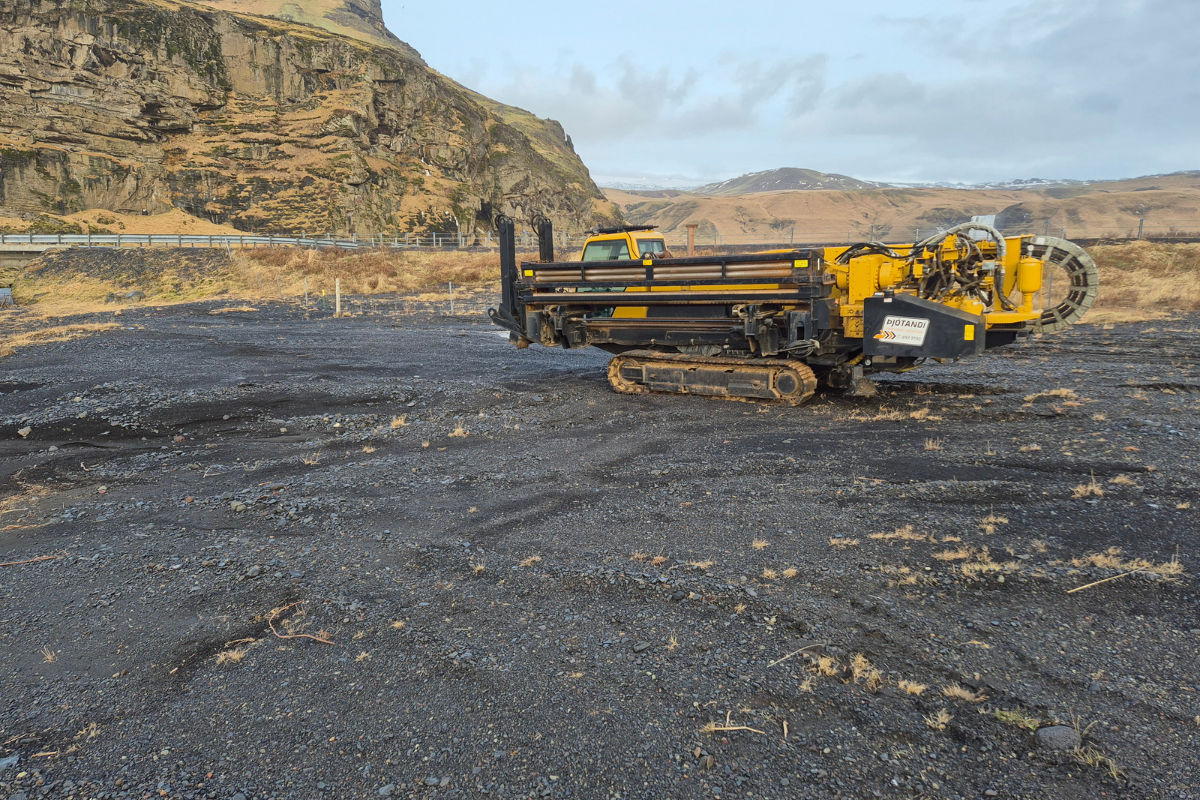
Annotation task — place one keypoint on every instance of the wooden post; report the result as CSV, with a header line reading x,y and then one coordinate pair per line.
x,y
306,291
1141,227
691,229
337,302
279,285
452,298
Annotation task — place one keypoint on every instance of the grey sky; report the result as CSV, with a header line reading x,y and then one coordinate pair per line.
x,y
921,90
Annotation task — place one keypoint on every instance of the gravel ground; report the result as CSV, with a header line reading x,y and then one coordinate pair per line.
x,y
391,556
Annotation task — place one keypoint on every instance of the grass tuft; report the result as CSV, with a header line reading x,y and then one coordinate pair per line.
x,y
1017,718
939,721
233,656
956,692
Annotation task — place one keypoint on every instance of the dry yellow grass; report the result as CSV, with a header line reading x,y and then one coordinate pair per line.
x,y
400,421
988,524
934,444
957,554
911,687
1092,757
529,562
1123,480
51,335
1145,280
1089,489
48,655
940,720
759,544
260,275
459,432
659,560
701,564
233,656
899,576
1017,718
638,555
770,574
1064,394
905,534
825,666
791,572
842,542
1112,559
864,672
956,692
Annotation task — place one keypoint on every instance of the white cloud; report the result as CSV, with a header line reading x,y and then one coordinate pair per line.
x,y
965,91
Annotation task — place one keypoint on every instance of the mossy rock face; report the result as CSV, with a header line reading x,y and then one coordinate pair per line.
x,y
269,126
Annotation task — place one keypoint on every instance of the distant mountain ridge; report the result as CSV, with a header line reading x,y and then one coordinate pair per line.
x,y
786,179
792,179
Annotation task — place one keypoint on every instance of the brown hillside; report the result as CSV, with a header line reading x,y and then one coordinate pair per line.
x,y
1169,205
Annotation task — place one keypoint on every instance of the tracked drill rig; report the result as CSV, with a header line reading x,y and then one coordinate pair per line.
x,y
771,326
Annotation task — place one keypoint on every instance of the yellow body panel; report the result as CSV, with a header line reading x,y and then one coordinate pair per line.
x,y
865,275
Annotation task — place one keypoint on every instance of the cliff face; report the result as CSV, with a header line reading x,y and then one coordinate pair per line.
x,y
264,124
358,19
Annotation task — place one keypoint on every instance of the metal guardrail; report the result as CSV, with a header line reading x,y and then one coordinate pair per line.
x,y
526,239
185,240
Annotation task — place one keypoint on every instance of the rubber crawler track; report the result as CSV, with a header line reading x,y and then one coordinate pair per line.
x,y
778,381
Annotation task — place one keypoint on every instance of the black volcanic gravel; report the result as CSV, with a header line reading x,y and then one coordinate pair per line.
x,y
535,587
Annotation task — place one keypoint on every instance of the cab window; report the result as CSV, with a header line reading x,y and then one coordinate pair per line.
x,y
606,251
651,246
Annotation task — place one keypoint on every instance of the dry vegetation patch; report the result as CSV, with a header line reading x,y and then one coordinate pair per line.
x,y
52,335
69,282
1145,280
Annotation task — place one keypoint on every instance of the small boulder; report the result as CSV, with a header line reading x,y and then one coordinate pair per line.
x,y
1058,737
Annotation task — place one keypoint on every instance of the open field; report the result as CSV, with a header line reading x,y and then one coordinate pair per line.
x,y
508,581
1170,205
1140,281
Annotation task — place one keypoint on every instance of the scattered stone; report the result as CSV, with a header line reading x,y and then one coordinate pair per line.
x,y
25,431
640,646
387,791
1058,737
432,781
6,763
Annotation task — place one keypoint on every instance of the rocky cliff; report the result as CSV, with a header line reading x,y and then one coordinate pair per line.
x,y
264,124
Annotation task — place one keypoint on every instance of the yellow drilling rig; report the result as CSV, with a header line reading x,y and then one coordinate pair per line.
x,y
771,326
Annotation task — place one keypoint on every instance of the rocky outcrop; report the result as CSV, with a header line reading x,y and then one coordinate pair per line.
x,y
358,19
268,125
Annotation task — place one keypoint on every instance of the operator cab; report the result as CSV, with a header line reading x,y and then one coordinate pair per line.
x,y
624,243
